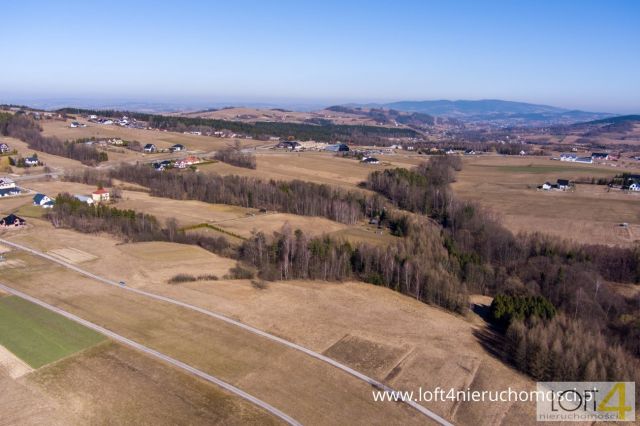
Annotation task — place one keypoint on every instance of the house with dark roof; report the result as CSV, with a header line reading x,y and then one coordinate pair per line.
x,y
12,221
6,192
150,148
338,147
177,148
31,161
563,184
290,145
4,148
600,155
370,160
43,201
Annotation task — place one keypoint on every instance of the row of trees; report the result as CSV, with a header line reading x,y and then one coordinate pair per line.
x,y
297,197
236,157
128,225
27,130
416,265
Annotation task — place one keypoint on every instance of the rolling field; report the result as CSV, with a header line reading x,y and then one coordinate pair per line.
x,y
312,392
112,384
38,336
318,167
361,325
589,214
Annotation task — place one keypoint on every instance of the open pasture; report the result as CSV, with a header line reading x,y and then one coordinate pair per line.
x,y
38,336
587,214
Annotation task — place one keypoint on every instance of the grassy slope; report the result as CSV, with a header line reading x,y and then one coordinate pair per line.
x,y
39,336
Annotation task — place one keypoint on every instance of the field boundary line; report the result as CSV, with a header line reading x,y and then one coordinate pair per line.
x,y
147,350
371,381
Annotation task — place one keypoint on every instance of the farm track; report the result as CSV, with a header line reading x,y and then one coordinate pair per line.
x,y
375,383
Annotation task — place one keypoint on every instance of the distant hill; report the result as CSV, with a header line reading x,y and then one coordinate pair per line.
x,y
615,120
494,110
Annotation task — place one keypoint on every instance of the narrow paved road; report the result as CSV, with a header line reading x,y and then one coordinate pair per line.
x,y
319,356
181,365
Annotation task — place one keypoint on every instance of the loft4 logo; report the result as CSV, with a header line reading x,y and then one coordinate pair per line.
x,y
585,401
621,405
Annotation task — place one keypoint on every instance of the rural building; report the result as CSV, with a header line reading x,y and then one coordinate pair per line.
x,y
6,183
42,201
159,166
177,147
75,124
290,145
12,221
370,160
150,148
586,160
568,156
632,183
101,195
6,192
84,199
338,147
4,148
560,185
599,155
31,161
563,184
186,162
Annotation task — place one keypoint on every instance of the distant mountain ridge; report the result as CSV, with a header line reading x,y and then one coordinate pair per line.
x,y
493,110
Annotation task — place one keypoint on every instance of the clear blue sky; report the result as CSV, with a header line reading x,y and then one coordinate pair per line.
x,y
576,54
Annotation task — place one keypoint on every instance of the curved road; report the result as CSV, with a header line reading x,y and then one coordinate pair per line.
x,y
154,353
319,356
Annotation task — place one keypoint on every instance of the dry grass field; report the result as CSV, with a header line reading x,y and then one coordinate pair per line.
x,y
312,392
111,384
52,161
318,167
392,337
137,264
590,214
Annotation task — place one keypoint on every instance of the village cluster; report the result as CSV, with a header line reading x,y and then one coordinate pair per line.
x,y
589,159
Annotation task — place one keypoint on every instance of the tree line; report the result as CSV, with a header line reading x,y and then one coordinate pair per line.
x,y
416,265
524,272
297,197
233,155
129,225
326,132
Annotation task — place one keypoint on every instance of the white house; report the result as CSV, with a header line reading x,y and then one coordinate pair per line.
x,y
567,156
31,161
4,148
43,201
6,183
150,148
101,195
635,186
